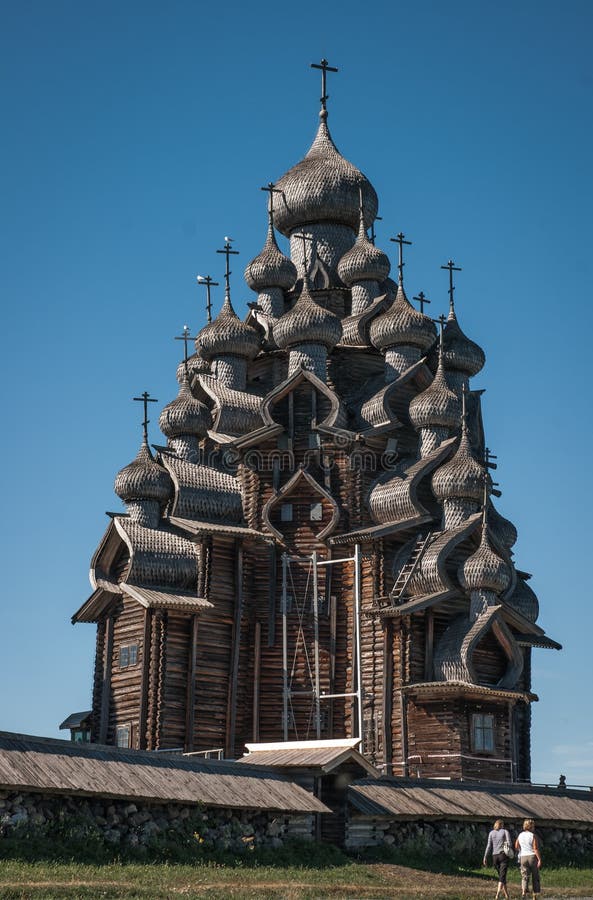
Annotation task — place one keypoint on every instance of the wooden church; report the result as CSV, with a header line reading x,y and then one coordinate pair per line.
x,y
314,552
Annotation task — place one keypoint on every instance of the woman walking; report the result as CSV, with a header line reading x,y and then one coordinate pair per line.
x,y
531,861
497,840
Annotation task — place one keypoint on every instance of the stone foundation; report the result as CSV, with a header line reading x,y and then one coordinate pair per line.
x,y
463,840
130,823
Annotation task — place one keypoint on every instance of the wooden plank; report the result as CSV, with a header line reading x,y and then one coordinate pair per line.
x,y
191,688
256,680
106,690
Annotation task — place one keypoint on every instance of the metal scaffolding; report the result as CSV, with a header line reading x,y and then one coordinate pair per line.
x,y
310,655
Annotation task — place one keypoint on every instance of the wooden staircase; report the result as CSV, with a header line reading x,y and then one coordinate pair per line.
x,y
403,579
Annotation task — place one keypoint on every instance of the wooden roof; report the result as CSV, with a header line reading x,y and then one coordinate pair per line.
x,y
405,798
320,757
47,765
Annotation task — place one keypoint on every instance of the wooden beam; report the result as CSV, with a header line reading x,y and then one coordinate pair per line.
x,y
256,681
106,690
190,706
232,696
272,596
143,715
429,645
387,692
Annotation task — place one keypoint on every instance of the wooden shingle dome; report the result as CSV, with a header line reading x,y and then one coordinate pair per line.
x,y
484,570
143,479
401,324
307,323
323,187
270,268
227,335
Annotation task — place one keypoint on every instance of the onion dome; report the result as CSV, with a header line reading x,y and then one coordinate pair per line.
x,y
227,335
143,479
462,476
437,405
524,600
196,365
271,268
307,323
185,414
323,187
502,529
402,324
459,352
364,261
484,570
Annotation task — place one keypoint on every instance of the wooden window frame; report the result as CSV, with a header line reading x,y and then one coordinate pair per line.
x,y
127,651
480,727
128,727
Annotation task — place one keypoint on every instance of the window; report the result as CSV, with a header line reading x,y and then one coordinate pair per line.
x,y
128,655
483,733
286,512
80,735
122,736
316,513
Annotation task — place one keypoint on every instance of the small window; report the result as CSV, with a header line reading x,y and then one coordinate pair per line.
x,y
286,512
123,736
128,655
483,733
316,513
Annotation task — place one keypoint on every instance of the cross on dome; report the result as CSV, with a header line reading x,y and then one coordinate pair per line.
x,y
422,299
271,189
399,239
145,399
325,68
185,337
228,252
208,283
452,268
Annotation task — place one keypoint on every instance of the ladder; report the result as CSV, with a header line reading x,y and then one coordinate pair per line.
x,y
409,567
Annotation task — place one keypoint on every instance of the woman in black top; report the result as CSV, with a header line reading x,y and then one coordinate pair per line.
x,y
497,838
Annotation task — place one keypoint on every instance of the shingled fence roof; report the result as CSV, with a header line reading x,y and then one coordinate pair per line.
x,y
48,765
405,799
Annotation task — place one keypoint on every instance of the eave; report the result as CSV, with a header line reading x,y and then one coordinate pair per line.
x,y
436,690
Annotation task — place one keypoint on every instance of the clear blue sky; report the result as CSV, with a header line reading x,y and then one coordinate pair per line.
x,y
137,135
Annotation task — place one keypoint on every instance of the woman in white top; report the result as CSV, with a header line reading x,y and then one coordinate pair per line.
x,y
530,857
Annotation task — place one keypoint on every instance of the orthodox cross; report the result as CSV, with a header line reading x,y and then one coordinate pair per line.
x,y
421,300
372,237
228,252
452,268
145,399
208,283
304,237
441,323
271,189
463,404
399,239
488,457
185,338
325,68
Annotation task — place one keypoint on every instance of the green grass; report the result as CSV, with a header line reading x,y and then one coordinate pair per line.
x,y
252,880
